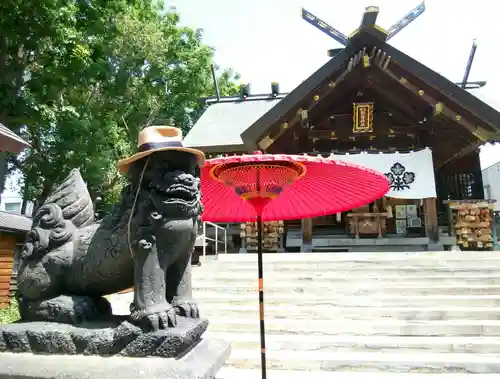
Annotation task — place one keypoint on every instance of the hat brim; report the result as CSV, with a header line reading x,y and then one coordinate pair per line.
x,y
124,164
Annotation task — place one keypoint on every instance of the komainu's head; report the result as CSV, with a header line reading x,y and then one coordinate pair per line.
x,y
169,183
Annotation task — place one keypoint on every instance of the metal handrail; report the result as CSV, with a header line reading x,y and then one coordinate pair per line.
x,y
215,240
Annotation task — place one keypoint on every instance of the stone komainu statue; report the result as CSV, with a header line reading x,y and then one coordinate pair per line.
x,y
70,262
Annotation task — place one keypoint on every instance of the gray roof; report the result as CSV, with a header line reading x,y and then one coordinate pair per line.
x,y
15,222
222,123
10,141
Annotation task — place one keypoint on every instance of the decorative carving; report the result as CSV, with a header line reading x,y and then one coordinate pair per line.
x,y
362,118
399,178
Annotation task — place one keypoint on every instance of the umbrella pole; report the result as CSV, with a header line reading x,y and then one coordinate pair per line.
x,y
261,299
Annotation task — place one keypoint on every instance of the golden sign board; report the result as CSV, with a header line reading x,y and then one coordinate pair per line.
x,y
362,118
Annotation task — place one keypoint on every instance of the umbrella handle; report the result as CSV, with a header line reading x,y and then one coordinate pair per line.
x,y
261,299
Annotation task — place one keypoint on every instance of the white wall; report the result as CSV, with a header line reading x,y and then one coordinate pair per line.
x,y
491,182
11,199
12,202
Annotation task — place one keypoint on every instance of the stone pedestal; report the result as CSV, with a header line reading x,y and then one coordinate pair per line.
x,y
113,337
201,362
111,348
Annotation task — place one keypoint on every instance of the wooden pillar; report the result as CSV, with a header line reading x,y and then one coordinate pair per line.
x,y
307,228
478,186
431,220
451,226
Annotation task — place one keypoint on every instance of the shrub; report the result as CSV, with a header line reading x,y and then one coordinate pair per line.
x,y
9,314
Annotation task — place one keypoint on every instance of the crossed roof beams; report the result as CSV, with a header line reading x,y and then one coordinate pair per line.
x,y
382,61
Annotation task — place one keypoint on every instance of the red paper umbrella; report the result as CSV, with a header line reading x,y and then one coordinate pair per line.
x,y
284,187
265,187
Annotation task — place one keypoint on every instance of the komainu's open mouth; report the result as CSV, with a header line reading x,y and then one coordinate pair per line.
x,y
177,192
181,192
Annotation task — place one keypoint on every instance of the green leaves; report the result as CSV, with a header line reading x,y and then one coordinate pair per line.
x,y
83,77
10,314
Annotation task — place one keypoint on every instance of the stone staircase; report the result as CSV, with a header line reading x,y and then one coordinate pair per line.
x,y
355,315
374,315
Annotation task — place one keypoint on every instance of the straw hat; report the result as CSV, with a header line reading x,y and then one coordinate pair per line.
x,y
159,138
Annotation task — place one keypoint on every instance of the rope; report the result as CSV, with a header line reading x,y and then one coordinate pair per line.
x,y
133,208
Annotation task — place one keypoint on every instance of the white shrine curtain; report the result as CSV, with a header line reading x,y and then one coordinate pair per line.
x,y
411,174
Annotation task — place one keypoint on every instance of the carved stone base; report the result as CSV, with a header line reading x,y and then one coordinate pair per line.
x,y
104,338
201,362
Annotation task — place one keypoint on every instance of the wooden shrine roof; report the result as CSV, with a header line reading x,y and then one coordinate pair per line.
x,y
392,68
414,89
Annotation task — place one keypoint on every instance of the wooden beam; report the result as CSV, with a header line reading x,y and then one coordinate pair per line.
x,y
376,85
369,16
461,153
431,220
307,229
316,99
440,109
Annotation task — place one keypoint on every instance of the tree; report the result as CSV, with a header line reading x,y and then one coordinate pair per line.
x,y
84,77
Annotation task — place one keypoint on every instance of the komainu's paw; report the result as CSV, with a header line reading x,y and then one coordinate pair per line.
x,y
156,317
187,308
65,309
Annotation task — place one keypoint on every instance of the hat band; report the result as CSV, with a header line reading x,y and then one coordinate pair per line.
x,y
158,145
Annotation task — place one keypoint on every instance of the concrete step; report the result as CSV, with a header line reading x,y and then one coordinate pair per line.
x,y
232,372
381,258
348,289
271,268
224,278
478,268
386,327
250,309
369,362
310,302
333,312
357,256
348,343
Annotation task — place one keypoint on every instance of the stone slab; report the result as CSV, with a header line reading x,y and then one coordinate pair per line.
x,y
327,312
326,256
202,362
361,343
231,372
115,336
402,362
339,326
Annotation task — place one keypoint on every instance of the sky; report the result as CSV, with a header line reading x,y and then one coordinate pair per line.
x,y
267,40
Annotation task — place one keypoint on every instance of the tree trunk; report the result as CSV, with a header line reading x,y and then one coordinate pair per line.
x,y
25,199
47,188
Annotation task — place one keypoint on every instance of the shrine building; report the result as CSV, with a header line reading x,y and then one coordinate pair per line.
x,y
372,105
